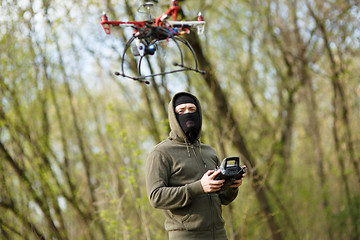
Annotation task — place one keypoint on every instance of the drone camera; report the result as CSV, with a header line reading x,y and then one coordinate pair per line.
x,y
150,49
143,50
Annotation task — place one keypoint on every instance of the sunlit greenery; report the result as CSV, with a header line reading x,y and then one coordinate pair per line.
x,y
282,91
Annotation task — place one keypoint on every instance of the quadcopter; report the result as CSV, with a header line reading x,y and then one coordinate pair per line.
x,y
148,34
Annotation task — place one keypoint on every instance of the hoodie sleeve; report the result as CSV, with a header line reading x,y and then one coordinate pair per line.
x,y
158,171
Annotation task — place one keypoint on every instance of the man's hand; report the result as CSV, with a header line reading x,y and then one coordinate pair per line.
x,y
209,184
237,183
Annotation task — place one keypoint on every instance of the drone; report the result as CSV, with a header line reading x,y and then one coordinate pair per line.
x,y
148,34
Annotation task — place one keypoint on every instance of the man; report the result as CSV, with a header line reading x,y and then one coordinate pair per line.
x,y
180,177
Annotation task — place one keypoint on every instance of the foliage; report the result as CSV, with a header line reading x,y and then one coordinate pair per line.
x,y
74,137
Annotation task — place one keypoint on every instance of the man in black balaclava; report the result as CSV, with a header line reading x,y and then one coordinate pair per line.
x,y
188,116
180,177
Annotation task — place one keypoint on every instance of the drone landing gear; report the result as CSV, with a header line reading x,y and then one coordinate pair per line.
x,y
144,49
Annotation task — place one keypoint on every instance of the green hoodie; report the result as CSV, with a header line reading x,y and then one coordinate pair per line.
x,y
174,169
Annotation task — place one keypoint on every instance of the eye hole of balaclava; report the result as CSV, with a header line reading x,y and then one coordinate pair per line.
x,y
190,123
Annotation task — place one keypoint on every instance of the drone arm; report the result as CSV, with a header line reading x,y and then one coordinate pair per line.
x,y
106,24
174,8
173,11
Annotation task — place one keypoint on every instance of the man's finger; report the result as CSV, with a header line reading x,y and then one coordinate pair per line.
x,y
209,172
236,183
217,182
215,173
216,187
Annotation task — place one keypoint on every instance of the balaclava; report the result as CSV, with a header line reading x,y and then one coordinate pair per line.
x,y
190,123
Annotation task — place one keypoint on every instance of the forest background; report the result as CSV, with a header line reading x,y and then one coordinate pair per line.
x,y
282,91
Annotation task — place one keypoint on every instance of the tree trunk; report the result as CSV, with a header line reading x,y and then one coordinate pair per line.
x,y
224,109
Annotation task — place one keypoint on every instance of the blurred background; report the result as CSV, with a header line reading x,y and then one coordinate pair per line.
x,y
282,91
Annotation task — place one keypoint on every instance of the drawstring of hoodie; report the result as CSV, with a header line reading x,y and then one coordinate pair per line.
x,y
187,147
188,150
201,153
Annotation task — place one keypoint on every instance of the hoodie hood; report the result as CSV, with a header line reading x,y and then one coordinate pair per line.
x,y
176,132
